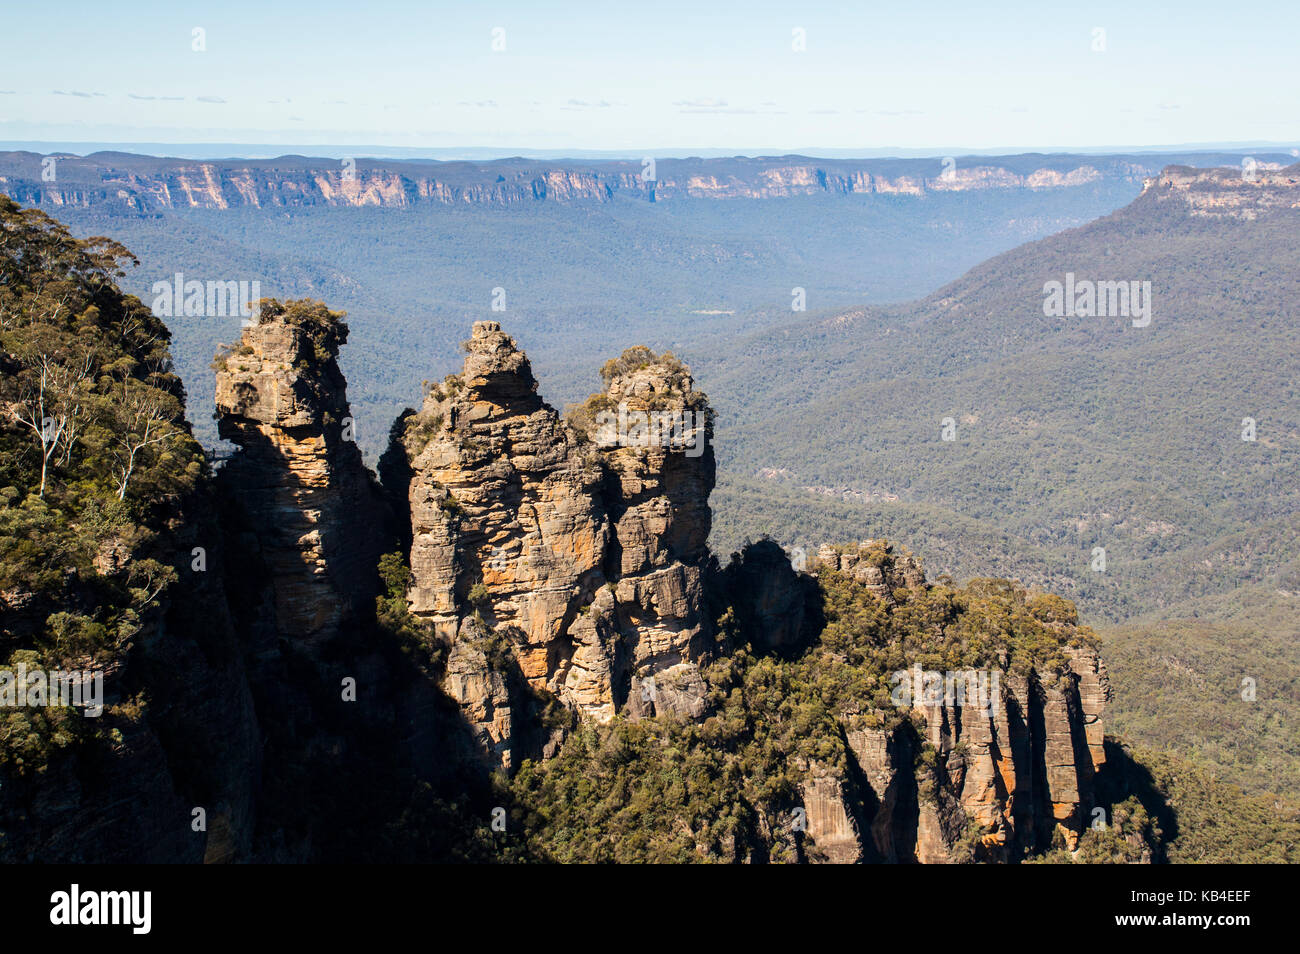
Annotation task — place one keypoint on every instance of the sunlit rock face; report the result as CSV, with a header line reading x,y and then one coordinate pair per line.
x,y
1009,767
587,553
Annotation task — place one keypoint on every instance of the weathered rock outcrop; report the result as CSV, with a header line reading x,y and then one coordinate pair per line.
x,y
655,436
568,560
348,718
1248,192
880,571
586,554
827,803
318,520
971,773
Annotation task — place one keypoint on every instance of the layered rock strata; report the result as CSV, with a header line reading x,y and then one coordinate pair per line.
x,y
1252,191
584,551
143,185
317,518
964,776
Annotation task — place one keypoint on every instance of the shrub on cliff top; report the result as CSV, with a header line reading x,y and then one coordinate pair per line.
x,y
634,359
582,416
322,326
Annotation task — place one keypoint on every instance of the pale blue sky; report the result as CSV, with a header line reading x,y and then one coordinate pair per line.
x,y
663,75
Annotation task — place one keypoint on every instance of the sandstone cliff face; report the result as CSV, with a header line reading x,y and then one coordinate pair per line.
x,y
1244,193
986,779
1007,783
586,556
657,495
318,519
144,185
349,725
150,186
827,801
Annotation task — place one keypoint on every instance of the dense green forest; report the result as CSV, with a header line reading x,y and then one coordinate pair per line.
x,y
1203,819
1186,686
96,461
1067,435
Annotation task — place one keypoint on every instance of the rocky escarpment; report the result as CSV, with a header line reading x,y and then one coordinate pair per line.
x,y
584,553
143,185
1254,189
563,564
989,766
318,521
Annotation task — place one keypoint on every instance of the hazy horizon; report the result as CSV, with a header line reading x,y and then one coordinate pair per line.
x,y
561,79
254,151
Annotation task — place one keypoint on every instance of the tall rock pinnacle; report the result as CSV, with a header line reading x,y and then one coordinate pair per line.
x,y
299,476
583,549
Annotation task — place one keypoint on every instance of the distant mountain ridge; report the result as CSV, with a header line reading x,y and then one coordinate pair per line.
x,y
124,182
412,273
1155,412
